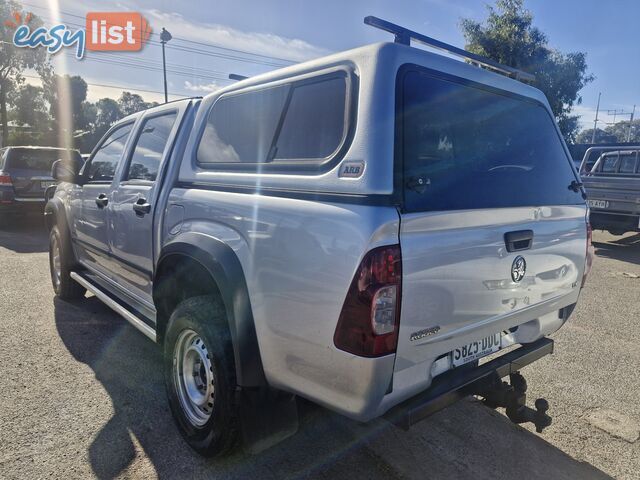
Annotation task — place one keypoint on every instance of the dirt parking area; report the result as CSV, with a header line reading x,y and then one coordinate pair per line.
x,y
81,395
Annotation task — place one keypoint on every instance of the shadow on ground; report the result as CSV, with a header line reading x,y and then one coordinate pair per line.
x,y
625,249
465,441
24,234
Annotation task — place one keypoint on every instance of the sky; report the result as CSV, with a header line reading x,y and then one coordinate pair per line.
x,y
257,35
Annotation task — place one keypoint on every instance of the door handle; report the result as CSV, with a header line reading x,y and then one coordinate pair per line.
x,y
142,207
102,200
518,240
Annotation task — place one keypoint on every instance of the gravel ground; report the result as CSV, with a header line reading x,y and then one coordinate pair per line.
x,y
81,395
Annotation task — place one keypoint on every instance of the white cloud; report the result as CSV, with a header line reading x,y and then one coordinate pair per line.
x,y
222,35
201,88
587,116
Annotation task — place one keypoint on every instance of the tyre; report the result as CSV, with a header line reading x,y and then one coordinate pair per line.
x,y
60,264
200,377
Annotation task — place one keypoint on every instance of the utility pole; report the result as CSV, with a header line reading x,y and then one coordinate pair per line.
x,y
633,112
595,122
165,36
615,113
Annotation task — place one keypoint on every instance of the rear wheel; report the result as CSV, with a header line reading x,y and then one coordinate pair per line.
x,y
60,262
200,375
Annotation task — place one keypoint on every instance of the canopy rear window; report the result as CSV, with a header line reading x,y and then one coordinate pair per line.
x,y
468,147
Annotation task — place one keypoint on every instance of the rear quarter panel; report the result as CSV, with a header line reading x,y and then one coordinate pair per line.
x,y
298,258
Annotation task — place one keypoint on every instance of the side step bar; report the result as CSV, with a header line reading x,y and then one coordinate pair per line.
x,y
455,385
115,306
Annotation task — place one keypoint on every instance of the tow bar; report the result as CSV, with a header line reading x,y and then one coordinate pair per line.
x,y
485,381
514,399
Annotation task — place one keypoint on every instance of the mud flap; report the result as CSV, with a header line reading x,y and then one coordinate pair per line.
x,y
267,417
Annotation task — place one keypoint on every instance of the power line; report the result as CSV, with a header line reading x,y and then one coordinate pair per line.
x,y
150,68
117,87
234,50
159,64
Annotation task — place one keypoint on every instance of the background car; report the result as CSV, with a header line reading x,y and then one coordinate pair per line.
x,y
25,175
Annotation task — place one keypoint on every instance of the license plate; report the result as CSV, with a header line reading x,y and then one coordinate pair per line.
x,y
598,203
47,184
475,350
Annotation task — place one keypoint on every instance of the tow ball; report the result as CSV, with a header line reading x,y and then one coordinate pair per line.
x,y
512,396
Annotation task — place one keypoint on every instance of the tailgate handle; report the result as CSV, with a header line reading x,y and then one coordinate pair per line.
x,y
518,240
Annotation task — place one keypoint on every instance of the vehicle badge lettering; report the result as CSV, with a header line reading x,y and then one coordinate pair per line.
x,y
427,332
351,169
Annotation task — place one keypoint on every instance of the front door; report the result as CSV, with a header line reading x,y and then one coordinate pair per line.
x,y
93,197
133,204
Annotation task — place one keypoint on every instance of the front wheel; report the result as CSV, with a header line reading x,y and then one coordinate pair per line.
x,y
60,266
200,375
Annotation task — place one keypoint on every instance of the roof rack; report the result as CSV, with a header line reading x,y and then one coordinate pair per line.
x,y
404,37
235,76
194,97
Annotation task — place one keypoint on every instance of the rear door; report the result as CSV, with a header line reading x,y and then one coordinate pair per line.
x,y
133,202
90,215
491,233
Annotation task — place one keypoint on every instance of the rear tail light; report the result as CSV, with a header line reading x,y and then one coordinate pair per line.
x,y
5,180
369,320
590,253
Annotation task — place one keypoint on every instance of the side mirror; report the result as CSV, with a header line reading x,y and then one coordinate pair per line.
x,y
63,172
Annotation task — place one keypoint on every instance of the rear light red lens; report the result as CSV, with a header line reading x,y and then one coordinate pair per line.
x,y
369,321
5,180
590,254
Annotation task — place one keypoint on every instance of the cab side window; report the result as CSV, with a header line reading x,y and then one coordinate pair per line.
x,y
103,164
150,146
628,164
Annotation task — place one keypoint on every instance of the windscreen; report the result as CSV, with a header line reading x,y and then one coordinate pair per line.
x,y
465,147
39,159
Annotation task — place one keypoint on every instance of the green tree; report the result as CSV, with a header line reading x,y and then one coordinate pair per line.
x,y
67,96
509,37
29,107
602,136
131,103
108,112
621,131
101,115
13,60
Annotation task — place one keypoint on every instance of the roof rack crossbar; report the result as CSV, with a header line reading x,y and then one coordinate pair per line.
x,y
404,37
235,76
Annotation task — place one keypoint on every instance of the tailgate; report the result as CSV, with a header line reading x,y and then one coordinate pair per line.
x,y
29,183
480,169
613,194
30,169
457,274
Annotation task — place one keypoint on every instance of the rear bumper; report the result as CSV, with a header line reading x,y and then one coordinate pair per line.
x,y
9,204
601,220
456,384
